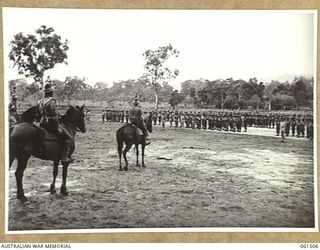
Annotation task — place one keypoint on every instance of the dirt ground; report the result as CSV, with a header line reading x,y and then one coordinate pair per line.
x,y
193,178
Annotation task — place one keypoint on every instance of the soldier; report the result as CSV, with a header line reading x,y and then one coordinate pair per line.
x,y
293,125
103,115
204,120
170,118
283,125
277,121
182,119
50,122
88,114
287,126
126,116
13,113
163,118
136,119
310,128
176,119
155,117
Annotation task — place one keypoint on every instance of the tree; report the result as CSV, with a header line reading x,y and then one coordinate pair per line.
x,y
299,91
156,70
34,54
175,99
76,86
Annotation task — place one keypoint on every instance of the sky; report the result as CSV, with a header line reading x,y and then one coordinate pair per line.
x,y
107,45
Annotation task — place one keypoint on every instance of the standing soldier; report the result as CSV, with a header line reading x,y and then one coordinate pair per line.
x,y
204,119
155,117
163,118
182,119
50,122
293,125
103,115
278,125
126,116
287,126
176,119
310,128
88,114
283,125
13,113
170,118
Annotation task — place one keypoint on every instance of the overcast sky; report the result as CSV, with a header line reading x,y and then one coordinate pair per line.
x,y
107,45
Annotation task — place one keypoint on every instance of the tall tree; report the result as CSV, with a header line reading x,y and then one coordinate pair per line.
x,y
175,99
157,71
33,54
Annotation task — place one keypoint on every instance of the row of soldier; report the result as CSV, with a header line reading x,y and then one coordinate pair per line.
x,y
298,125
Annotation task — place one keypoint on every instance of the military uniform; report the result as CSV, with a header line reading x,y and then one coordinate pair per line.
x,y
135,114
50,122
13,114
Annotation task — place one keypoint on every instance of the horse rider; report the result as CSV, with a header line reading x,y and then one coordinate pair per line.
x,y
13,113
50,122
135,114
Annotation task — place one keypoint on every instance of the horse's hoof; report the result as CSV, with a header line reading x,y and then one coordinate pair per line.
x,y
64,193
125,168
23,199
138,165
143,166
53,191
120,169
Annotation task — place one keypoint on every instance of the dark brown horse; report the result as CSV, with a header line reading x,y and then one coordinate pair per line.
x,y
129,135
27,139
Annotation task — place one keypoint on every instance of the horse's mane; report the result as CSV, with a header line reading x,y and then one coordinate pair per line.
x,y
66,118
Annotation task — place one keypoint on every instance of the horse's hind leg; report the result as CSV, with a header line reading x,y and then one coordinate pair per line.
x,y
22,164
125,151
55,173
120,146
142,153
63,188
137,156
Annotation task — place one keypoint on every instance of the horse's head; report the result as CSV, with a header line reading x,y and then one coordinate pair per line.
x,y
76,116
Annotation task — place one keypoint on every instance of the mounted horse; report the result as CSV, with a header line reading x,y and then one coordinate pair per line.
x,y
129,135
27,139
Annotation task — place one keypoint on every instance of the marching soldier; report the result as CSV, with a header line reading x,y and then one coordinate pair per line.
x,y
50,122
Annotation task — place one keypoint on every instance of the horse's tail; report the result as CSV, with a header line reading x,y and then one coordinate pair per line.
x,y
119,142
12,152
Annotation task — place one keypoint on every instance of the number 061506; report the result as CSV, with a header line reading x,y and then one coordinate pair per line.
x,y
310,246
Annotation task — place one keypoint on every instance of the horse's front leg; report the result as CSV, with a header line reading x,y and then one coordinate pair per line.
x,y
55,173
142,153
137,155
63,188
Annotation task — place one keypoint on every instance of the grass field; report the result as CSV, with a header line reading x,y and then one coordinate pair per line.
x,y
193,178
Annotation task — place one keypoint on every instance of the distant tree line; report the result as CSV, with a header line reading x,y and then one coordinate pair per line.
x,y
240,94
220,94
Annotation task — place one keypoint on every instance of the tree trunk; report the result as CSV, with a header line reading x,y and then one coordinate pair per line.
x,y
269,106
157,100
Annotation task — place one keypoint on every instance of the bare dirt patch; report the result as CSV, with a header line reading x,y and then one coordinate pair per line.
x,y
193,178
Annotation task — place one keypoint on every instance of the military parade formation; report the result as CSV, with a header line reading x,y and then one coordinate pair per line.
x,y
297,125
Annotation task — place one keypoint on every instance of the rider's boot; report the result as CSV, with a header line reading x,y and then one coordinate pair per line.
x,y
65,153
